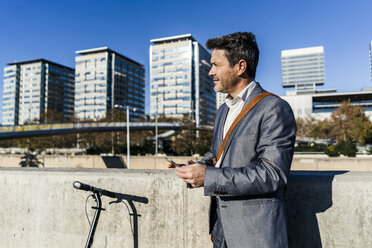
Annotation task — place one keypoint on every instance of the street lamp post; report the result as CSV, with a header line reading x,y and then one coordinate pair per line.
x,y
156,124
128,135
112,135
156,134
128,139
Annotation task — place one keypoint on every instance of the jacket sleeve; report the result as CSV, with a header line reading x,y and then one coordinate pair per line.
x,y
208,158
274,149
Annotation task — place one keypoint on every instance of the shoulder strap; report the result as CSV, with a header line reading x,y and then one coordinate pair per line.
x,y
242,113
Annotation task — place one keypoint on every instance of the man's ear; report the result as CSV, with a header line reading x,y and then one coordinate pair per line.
x,y
242,67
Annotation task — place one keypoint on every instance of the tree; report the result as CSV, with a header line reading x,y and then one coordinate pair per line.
x,y
304,127
350,124
321,129
310,127
53,116
204,141
190,141
185,141
347,125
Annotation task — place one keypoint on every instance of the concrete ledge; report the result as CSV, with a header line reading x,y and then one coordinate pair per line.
x,y
91,161
40,208
300,162
325,163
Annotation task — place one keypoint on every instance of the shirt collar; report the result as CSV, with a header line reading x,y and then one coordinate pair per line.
x,y
242,96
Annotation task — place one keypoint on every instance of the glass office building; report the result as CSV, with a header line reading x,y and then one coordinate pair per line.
x,y
179,81
33,87
104,80
303,68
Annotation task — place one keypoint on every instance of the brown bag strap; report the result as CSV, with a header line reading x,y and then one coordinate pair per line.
x,y
242,113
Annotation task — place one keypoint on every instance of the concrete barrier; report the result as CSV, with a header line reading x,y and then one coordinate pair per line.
x,y
324,163
300,162
92,161
40,208
330,209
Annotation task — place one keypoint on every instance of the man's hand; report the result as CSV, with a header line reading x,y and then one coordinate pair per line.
x,y
187,163
170,166
192,173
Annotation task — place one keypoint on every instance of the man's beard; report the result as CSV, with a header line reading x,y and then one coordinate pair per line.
x,y
228,86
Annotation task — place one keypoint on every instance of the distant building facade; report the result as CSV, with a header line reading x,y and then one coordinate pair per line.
x,y
33,87
179,81
323,103
303,68
105,80
220,99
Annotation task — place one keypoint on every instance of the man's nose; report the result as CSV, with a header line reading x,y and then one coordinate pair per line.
x,y
211,72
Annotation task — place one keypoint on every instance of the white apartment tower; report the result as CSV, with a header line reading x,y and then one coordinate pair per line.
x,y
33,87
303,68
106,79
179,81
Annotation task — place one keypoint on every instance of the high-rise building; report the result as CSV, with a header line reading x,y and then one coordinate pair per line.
x,y
370,58
303,68
179,79
220,99
105,80
33,87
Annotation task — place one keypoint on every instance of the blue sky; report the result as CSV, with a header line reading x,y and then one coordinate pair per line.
x,y
54,30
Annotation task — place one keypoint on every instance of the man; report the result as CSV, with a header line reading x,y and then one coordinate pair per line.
x,y
247,183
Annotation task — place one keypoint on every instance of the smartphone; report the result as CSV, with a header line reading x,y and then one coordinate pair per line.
x,y
172,162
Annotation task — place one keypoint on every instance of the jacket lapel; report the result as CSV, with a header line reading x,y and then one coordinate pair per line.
x,y
255,92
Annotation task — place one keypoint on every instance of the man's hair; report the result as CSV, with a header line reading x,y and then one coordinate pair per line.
x,y
237,46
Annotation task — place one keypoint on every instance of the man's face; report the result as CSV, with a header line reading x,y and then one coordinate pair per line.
x,y
224,76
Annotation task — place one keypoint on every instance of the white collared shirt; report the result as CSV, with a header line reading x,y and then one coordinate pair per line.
x,y
235,107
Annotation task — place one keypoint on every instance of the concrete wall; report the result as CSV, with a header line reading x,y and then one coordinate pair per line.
x,y
330,209
300,162
325,163
92,161
40,208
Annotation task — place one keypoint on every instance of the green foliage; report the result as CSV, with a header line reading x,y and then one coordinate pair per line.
x,y
370,150
348,149
331,151
345,148
313,147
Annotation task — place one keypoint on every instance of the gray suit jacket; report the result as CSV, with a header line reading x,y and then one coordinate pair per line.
x,y
249,185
